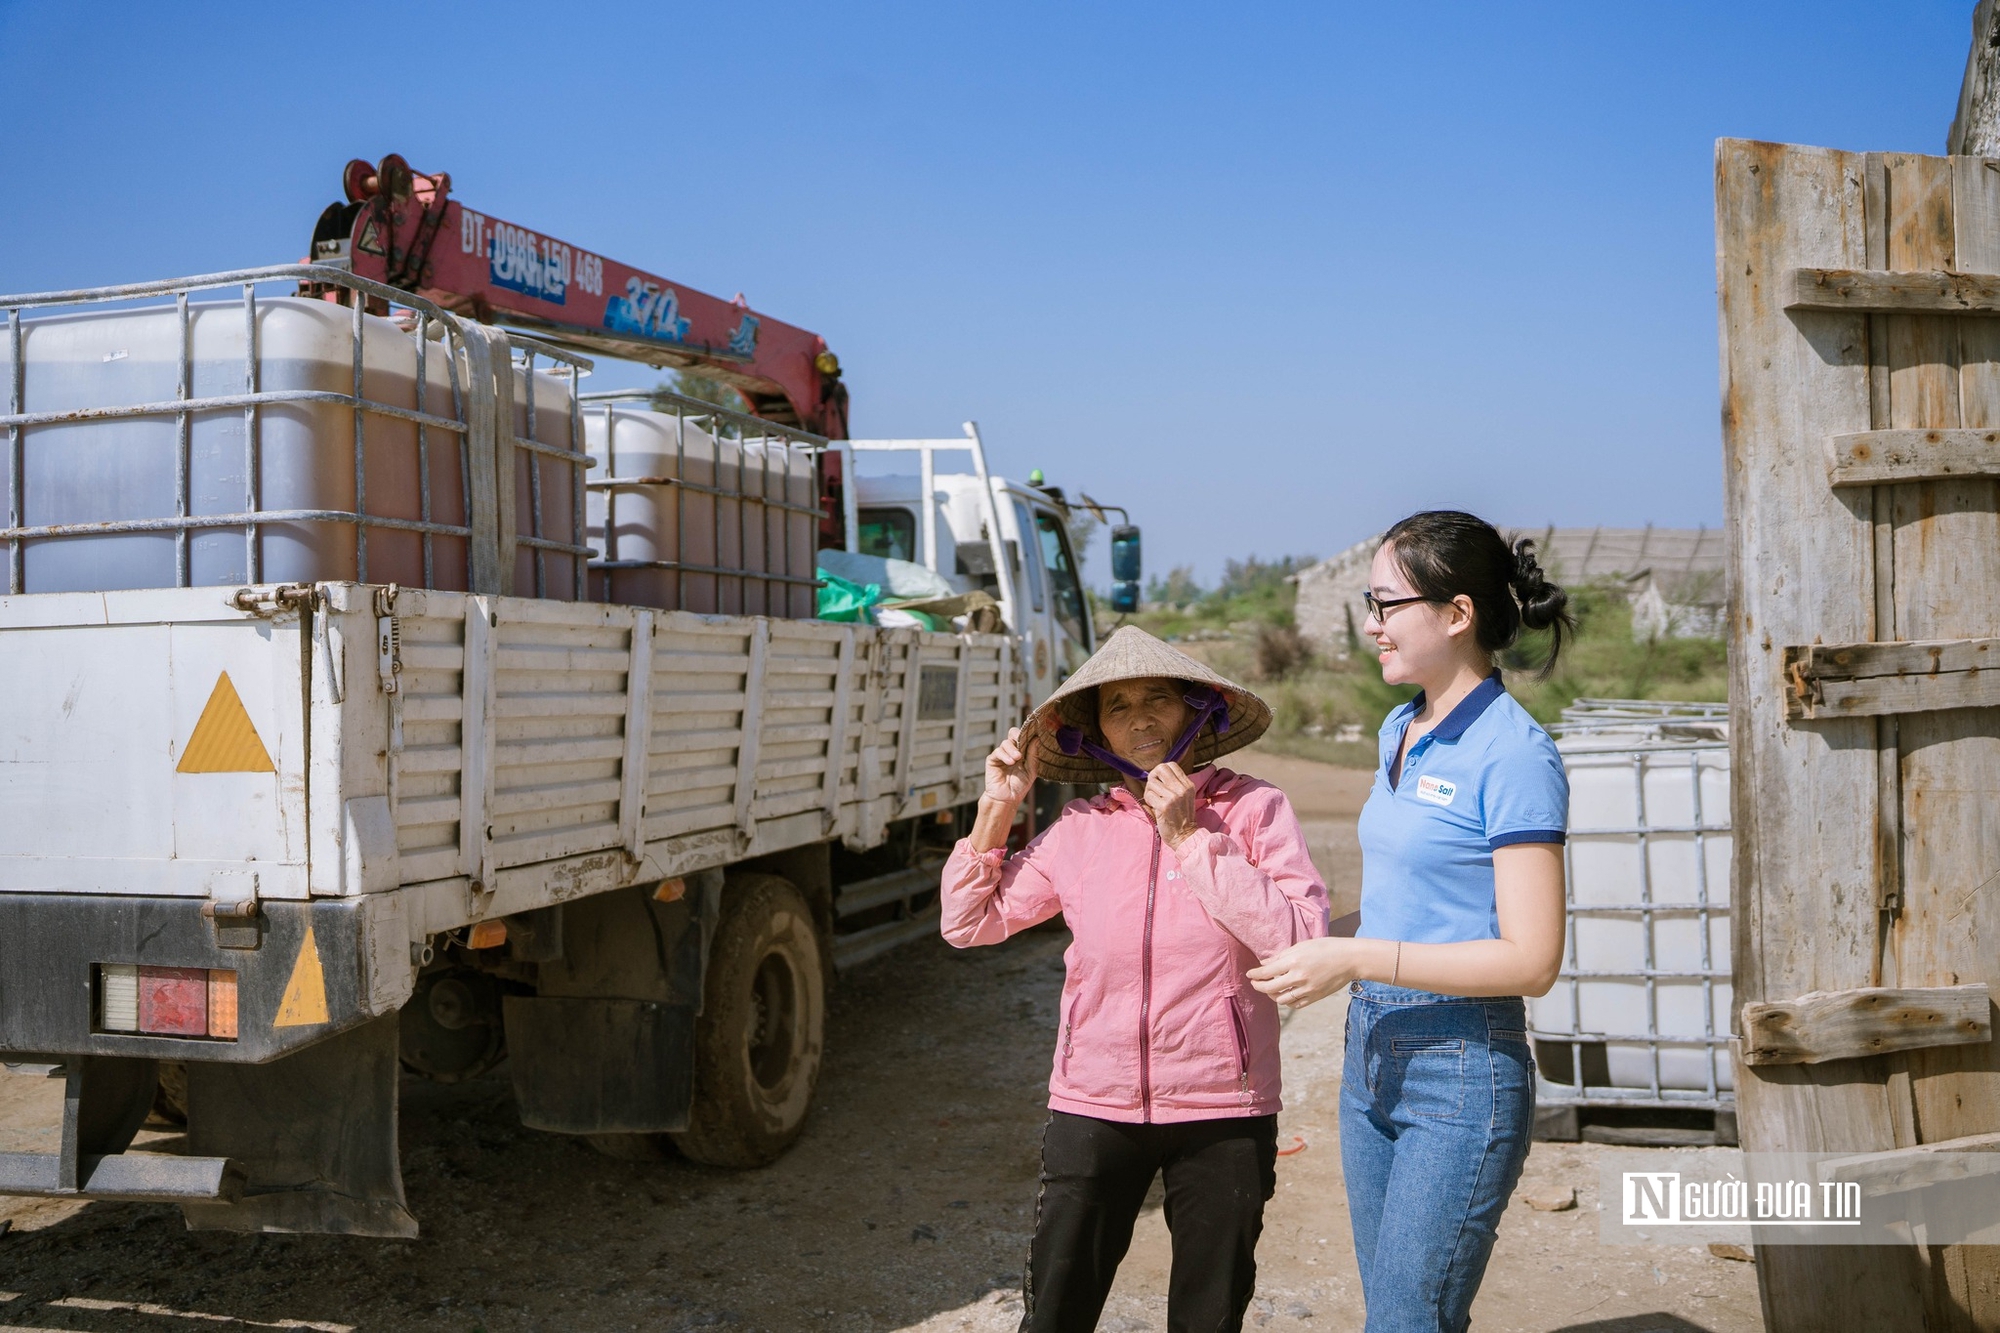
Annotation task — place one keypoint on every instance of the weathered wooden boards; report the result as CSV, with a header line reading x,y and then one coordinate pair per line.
x,y
1888,291
1861,401
1870,1020
1900,1169
1879,679
1875,457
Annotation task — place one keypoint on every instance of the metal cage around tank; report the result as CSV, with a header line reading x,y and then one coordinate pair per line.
x,y
723,427
1652,741
473,412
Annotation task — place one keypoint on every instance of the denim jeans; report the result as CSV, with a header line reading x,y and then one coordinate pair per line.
x,y
1437,1103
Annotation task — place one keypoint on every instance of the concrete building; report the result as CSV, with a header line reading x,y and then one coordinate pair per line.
x,y
1677,579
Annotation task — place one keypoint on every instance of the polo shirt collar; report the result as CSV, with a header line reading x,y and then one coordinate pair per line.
x,y
1469,708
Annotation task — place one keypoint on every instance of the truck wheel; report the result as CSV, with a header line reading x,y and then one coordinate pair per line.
x,y
757,1044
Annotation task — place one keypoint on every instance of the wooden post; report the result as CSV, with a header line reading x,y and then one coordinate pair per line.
x,y
1866,775
1976,127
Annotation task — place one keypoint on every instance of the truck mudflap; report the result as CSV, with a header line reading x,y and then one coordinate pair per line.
x,y
183,979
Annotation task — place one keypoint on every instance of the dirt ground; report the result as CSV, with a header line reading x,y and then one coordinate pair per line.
x,y
905,1206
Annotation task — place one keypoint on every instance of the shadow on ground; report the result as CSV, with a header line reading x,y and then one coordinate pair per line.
x,y
908,1195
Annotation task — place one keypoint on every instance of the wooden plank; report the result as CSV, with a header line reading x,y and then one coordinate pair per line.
x,y
1803,800
1868,1020
1920,292
1948,587
1878,679
1875,457
1920,1166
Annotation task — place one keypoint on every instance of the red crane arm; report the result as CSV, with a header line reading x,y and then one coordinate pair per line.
x,y
401,227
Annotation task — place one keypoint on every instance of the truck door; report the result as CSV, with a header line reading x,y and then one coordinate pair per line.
x,y
1072,640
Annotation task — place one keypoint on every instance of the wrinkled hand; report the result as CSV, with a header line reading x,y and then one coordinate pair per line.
x,y
1170,796
1309,970
1010,774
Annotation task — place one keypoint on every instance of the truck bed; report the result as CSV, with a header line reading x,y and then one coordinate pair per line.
x,y
433,759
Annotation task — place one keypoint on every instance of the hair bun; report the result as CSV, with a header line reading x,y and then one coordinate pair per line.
x,y
1542,602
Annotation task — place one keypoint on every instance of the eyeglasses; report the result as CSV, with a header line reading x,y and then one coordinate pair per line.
x,y
1378,607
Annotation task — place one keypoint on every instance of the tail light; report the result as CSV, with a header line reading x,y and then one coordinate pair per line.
x,y
166,1001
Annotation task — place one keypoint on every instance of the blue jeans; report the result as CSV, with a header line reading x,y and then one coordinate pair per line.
x,y
1437,1103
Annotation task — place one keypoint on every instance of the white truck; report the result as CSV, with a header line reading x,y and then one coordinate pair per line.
x,y
274,827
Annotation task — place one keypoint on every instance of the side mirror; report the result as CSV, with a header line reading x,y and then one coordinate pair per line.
x,y
1125,554
1125,597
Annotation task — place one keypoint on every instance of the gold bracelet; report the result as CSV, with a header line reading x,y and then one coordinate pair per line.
x,y
1398,971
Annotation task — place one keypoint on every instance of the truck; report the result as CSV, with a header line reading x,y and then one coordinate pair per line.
x,y
329,752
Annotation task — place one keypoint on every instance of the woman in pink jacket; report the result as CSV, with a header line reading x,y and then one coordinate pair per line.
x,y
1173,884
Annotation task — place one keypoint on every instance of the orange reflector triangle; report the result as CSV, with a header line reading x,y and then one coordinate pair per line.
x,y
304,1002
224,741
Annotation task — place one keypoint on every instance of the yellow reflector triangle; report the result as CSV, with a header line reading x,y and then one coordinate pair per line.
x,y
224,741
304,1003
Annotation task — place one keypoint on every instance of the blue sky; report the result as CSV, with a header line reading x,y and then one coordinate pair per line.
x,y
1269,275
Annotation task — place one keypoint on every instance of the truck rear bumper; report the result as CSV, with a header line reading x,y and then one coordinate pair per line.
x,y
130,1177
310,970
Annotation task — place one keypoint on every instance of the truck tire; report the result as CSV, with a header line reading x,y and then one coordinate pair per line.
x,y
757,1044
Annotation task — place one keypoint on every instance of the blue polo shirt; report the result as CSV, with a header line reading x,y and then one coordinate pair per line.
x,y
1484,778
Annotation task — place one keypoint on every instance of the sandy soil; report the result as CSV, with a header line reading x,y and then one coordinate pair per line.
x,y
904,1207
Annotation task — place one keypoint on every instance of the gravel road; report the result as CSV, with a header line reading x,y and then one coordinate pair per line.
x,y
904,1207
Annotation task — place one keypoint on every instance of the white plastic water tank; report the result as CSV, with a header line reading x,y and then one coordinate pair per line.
x,y
125,468
697,501
1649,816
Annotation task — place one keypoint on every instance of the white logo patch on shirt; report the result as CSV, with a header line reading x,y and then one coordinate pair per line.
x,y
1436,790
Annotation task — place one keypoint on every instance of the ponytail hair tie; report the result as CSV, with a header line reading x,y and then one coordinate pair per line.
x,y
1528,576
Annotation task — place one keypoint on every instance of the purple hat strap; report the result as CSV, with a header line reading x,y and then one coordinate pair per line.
x,y
1208,705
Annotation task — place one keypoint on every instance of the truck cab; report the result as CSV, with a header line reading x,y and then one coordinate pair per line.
x,y
1030,566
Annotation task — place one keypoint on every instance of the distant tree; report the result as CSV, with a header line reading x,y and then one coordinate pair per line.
x,y
1082,527
694,384
1178,589
1252,577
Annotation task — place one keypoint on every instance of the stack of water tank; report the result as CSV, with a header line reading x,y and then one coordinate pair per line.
x,y
310,462
691,510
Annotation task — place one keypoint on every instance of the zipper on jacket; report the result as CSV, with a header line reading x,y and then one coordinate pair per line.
x,y
1146,991
1069,1022
1242,1048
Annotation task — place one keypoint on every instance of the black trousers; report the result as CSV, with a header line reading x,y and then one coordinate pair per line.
x,y
1095,1174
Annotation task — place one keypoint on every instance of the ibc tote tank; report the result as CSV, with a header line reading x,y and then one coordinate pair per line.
x,y
127,468
686,526
1649,825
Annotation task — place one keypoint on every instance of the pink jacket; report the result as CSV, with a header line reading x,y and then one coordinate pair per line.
x,y
1158,1022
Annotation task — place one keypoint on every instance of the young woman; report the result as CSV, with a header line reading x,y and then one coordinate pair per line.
x,y
1461,915
1174,883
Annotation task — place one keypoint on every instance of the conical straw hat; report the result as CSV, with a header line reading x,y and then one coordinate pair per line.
x,y
1132,654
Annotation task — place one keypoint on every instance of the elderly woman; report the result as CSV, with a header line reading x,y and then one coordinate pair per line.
x,y
1173,884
